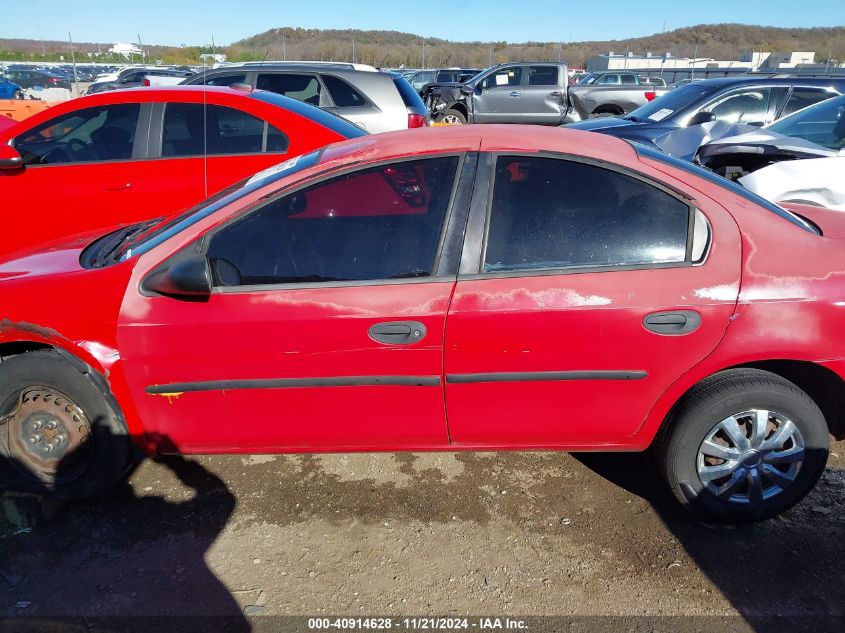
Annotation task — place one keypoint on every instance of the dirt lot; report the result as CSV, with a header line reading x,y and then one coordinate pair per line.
x,y
433,534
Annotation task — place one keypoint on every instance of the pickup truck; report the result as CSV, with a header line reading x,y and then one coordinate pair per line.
x,y
524,92
587,101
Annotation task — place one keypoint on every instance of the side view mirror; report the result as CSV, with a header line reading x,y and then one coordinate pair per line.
x,y
467,89
189,278
702,117
10,158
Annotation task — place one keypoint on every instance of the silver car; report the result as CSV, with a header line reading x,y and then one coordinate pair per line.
x,y
373,100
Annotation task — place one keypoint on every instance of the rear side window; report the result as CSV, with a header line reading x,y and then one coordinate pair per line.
x,y
92,134
191,129
542,75
551,213
343,95
629,79
410,97
305,88
378,223
804,97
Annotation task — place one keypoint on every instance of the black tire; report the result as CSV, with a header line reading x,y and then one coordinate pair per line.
x,y
88,444
18,94
456,117
718,398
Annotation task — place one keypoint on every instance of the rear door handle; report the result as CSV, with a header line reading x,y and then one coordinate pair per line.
x,y
397,332
672,323
556,93
514,94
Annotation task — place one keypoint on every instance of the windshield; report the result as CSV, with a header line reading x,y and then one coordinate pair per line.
x,y
147,240
670,103
823,124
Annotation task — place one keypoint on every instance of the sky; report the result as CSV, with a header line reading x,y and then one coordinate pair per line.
x,y
175,22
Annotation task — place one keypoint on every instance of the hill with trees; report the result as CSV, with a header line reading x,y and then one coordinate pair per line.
x,y
393,48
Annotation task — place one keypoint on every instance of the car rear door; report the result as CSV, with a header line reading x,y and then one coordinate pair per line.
x,y
581,297
325,328
498,97
542,96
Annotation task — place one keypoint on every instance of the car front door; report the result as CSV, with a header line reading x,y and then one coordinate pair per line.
x,y
592,291
80,172
498,97
325,327
542,96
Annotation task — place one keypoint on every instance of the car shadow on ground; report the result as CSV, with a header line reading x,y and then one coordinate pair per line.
x,y
147,558
760,568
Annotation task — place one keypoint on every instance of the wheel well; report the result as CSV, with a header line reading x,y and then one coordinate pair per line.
x,y
823,385
460,106
7,350
609,109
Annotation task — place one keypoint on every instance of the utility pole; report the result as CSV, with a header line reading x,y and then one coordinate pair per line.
x,y
491,55
141,46
353,50
559,50
73,61
285,49
694,57
423,55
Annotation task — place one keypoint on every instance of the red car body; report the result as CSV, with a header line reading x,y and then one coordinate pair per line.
x,y
6,123
509,361
46,201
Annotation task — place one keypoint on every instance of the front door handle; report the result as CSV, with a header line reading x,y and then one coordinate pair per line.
x,y
119,186
514,94
556,93
672,323
397,332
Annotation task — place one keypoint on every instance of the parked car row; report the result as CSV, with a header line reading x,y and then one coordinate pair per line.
x,y
236,248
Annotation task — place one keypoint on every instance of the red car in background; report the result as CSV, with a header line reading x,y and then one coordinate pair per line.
x,y
124,156
459,288
6,123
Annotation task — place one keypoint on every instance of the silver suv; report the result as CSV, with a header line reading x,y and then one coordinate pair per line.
x,y
372,100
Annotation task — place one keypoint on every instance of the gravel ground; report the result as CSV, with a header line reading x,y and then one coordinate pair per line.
x,y
427,534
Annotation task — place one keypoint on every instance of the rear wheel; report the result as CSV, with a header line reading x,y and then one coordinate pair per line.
x,y
746,445
453,117
57,431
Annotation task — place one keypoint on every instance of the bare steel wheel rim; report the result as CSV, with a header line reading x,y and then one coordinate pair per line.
x,y
451,119
750,457
49,435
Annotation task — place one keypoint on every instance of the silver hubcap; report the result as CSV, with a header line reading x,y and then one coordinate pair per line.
x,y
750,457
451,118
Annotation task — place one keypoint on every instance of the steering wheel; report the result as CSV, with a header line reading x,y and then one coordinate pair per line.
x,y
79,150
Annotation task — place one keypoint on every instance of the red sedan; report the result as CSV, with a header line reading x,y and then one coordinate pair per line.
x,y
467,288
125,156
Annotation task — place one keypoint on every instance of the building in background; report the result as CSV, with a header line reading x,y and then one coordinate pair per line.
x,y
127,50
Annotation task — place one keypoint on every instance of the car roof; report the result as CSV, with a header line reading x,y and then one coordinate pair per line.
x,y
488,138
787,81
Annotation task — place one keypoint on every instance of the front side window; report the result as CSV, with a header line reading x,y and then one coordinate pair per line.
x,y
549,213
92,134
542,75
305,88
194,129
507,77
376,224
744,106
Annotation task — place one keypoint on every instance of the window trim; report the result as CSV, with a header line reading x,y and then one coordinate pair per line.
x,y
472,263
437,275
140,144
